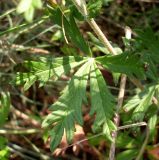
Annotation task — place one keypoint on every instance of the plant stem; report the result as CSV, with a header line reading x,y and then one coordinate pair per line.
x,y
117,117
101,36
119,104
20,131
144,144
81,6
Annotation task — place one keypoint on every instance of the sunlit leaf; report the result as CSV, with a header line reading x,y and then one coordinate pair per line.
x,y
46,69
67,110
102,102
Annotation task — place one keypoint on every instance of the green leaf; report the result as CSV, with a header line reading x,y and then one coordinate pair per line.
x,y
4,153
94,7
24,5
126,63
140,102
108,127
102,101
2,142
148,40
4,107
46,69
56,136
37,4
29,14
100,47
125,141
67,110
127,155
145,102
152,126
70,29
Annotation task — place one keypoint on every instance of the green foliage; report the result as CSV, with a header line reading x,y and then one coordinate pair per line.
x,y
4,111
4,154
149,41
28,8
128,154
67,110
100,47
152,126
69,28
140,102
87,84
126,63
101,99
4,107
47,68
94,6
126,141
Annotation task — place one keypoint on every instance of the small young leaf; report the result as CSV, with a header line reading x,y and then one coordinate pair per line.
x,y
56,136
94,7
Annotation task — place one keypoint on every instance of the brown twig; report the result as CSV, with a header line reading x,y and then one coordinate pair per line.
x,y
117,117
26,117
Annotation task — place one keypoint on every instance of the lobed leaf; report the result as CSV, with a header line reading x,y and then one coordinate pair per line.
x,y
102,102
126,63
67,110
140,102
44,70
148,40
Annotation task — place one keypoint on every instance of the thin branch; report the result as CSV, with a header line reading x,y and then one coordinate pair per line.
x,y
25,117
20,131
144,144
81,6
139,124
101,36
117,117
120,103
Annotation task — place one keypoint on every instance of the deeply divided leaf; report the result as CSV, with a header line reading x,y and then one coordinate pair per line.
x,y
140,103
44,70
102,102
67,110
126,63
